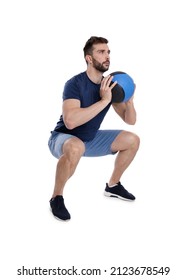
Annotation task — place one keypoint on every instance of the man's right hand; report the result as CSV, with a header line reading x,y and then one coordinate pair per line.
x,y
106,88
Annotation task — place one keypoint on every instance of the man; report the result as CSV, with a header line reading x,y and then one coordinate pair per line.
x,y
86,100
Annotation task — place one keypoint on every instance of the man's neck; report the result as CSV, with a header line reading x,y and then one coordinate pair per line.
x,y
94,75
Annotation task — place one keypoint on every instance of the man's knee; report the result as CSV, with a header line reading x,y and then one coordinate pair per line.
x,y
126,140
74,147
134,140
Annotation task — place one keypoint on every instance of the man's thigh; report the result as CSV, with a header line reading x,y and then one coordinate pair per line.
x,y
101,144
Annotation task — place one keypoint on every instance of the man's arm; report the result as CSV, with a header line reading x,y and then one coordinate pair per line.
x,y
126,111
74,115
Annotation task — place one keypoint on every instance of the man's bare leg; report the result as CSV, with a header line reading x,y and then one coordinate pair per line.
x,y
127,144
73,149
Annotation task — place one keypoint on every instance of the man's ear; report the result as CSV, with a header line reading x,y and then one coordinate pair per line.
x,y
88,58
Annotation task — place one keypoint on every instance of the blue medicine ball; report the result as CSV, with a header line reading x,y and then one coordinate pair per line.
x,y
124,89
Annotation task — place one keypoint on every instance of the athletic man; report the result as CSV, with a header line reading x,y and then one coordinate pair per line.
x,y
86,100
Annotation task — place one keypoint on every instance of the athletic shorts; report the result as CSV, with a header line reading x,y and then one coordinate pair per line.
x,y
99,146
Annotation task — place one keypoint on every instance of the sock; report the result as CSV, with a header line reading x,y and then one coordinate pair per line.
x,y
112,186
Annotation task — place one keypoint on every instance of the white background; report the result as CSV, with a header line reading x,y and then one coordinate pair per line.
x,y
41,47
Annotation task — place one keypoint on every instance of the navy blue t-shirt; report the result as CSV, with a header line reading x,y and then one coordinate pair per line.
x,y
82,88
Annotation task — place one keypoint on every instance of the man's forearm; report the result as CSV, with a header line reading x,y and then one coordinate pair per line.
x,y
78,116
130,114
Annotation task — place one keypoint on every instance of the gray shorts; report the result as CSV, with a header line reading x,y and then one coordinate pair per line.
x,y
99,146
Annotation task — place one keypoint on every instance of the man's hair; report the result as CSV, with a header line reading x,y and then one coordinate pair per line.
x,y
88,48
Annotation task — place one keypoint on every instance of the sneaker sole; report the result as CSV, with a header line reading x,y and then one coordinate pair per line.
x,y
108,194
66,220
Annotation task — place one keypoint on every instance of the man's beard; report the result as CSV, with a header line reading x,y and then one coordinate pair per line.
x,y
98,66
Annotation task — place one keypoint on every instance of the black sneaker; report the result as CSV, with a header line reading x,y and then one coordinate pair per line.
x,y
58,208
118,191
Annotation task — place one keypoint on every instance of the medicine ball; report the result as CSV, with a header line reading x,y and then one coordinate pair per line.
x,y
124,89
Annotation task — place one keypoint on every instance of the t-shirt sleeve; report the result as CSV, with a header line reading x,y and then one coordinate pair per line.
x,y
71,90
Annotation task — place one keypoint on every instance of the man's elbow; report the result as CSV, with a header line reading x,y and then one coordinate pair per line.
x,y
69,123
130,122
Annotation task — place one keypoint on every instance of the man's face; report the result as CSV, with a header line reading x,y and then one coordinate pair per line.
x,y
101,57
